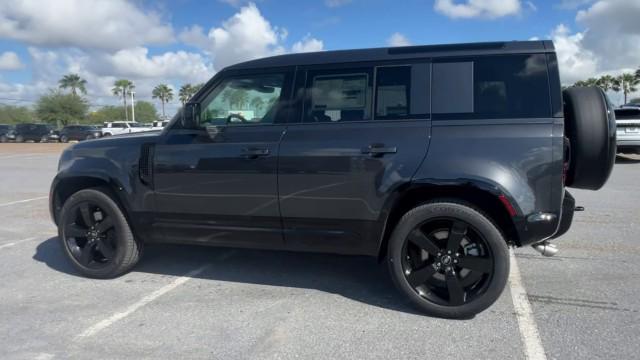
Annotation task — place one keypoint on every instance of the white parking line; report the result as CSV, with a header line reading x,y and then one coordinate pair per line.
x,y
533,349
23,201
16,242
92,330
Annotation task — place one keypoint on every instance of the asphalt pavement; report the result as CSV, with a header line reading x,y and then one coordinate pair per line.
x,y
214,303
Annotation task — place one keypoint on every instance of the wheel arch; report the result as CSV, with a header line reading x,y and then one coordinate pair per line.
x,y
486,197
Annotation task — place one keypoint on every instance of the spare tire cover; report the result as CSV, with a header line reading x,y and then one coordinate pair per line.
x,y
590,126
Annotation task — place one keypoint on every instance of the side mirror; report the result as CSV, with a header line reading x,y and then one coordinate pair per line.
x,y
191,115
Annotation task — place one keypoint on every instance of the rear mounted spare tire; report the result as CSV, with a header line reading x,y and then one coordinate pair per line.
x,y
591,128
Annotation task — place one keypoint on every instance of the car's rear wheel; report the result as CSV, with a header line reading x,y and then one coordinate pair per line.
x,y
89,137
19,139
449,259
64,139
96,236
3,139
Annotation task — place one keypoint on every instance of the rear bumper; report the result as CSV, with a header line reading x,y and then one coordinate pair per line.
x,y
566,218
540,226
628,145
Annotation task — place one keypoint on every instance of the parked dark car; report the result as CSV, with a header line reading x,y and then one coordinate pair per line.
x,y
32,132
6,133
79,132
433,159
628,130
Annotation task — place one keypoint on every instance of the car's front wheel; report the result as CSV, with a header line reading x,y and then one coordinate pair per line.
x,y
96,236
449,259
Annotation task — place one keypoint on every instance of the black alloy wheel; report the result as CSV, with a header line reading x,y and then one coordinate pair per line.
x,y
447,262
91,237
449,259
96,235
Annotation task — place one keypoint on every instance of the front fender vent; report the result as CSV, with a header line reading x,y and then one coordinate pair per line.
x,y
146,164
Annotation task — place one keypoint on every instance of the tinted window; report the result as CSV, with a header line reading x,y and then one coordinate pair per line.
x,y
402,91
243,100
622,114
514,86
338,95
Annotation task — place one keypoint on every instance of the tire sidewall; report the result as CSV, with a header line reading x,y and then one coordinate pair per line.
x,y
122,229
491,234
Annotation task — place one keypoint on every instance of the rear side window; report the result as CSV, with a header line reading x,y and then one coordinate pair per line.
x,y
338,95
402,91
513,86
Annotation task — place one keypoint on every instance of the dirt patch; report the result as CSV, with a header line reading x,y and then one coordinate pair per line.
x,y
32,148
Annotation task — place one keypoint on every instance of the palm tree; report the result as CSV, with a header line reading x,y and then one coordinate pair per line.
x,y
164,93
627,83
123,87
73,82
606,82
186,92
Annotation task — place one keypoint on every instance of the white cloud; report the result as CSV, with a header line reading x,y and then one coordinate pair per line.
x,y
336,3
10,61
575,62
103,24
397,39
308,44
612,32
489,9
244,36
136,62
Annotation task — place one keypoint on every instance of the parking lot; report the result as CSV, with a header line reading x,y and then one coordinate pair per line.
x,y
200,302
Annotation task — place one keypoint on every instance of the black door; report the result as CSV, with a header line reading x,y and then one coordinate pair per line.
x,y
362,133
217,182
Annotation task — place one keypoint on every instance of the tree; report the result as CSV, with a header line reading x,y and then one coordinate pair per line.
x,y
64,109
73,82
145,112
186,92
257,103
123,87
11,114
238,99
605,82
634,101
164,93
627,83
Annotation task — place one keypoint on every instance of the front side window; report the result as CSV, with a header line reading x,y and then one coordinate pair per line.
x,y
334,96
243,100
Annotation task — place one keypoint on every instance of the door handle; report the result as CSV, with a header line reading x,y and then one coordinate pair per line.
x,y
376,150
254,153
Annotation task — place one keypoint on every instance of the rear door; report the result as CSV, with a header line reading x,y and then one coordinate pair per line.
x,y
360,133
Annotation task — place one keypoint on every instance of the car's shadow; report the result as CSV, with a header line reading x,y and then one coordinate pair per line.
x,y
620,159
358,278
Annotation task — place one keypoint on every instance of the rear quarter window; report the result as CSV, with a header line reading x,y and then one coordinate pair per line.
x,y
505,86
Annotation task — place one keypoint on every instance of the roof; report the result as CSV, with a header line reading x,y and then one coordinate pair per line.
x,y
398,53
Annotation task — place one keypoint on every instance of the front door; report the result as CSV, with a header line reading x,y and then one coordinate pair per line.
x,y
216,182
362,133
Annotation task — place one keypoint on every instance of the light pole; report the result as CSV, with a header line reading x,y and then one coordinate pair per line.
x,y
133,106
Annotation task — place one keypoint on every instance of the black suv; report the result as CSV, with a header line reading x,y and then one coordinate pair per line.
x,y
6,133
434,159
33,132
79,132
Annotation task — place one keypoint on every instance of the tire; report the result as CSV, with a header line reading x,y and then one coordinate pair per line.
x,y
93,252
591,128
89,137
64,139
429,280
19,139
106,134
3,139
44,139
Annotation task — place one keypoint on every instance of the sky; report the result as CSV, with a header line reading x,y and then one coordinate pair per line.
x,y
188,41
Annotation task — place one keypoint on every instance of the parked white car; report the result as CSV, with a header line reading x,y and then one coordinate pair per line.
x,y
122,127
159,125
